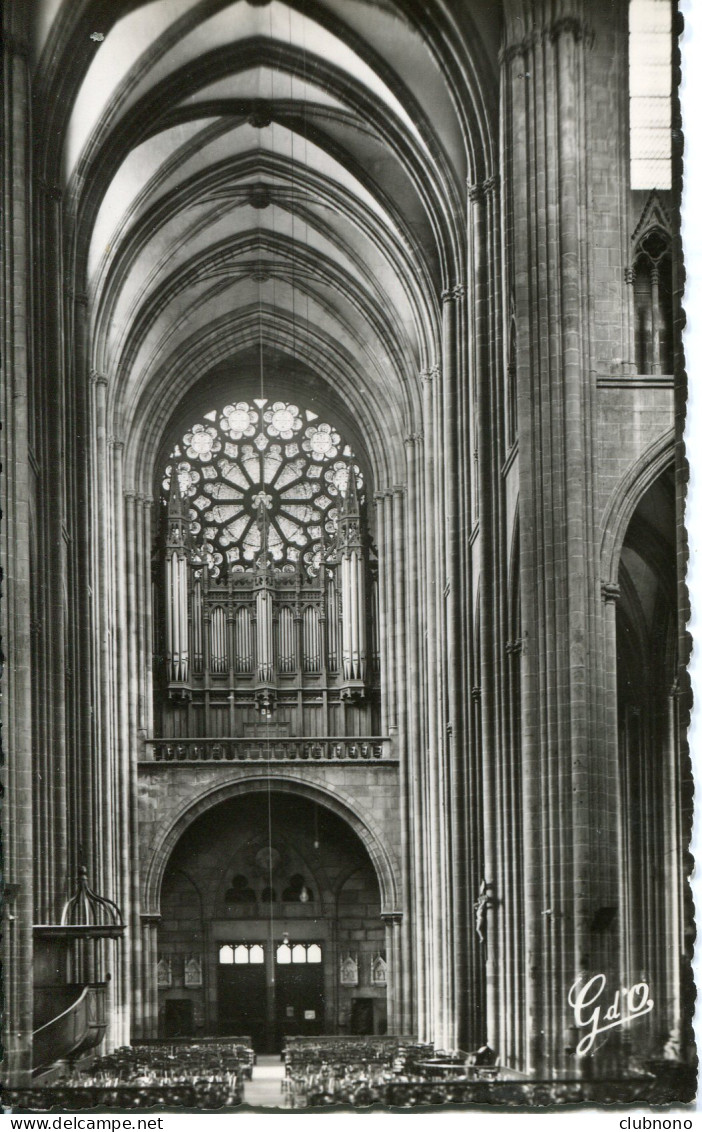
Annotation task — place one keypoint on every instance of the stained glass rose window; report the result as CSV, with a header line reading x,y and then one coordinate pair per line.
x,y
239,420
202,443
283,420
262,452
321,441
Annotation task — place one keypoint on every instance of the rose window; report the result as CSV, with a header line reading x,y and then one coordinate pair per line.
x,y
258,456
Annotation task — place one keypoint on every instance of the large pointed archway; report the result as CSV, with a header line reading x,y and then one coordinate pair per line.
x,y
264,864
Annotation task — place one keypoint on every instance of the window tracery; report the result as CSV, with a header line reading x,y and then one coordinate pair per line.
x,y
651,275
259,456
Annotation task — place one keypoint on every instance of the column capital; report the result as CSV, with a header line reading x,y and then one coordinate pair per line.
x,y
116,443
392,917
453,294
130,495
428,375
516,50
611,592
413,438
98,378
550,31
79,297
478,190
568,25
398,489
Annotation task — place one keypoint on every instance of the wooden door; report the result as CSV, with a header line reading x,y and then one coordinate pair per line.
x,y
241,1001
299,1000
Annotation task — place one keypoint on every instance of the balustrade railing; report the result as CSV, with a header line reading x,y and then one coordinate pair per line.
x,y
370,749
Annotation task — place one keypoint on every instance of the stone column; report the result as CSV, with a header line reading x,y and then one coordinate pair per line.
x,y
570,857
393,951
411,767
133,520
455,607
149,1020
15,501
52,423
430,1010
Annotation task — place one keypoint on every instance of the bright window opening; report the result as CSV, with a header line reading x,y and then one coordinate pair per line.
x,y
650,81
298,953
241,953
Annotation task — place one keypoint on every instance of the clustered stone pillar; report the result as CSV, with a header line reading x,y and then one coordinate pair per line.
x,y
14,440
569,773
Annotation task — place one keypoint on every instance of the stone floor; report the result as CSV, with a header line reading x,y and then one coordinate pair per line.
x,y
264,1089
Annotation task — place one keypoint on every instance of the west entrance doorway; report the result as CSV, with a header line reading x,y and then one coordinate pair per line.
x,y
271,925
267,992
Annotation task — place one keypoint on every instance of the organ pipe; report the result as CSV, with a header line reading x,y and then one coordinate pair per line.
x,y
332,623
286,640
353,623
218,642
242,639
310,638
177,588
353,598
196,626
198,614
264,636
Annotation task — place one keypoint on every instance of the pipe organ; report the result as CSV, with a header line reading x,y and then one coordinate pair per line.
x,y
266,643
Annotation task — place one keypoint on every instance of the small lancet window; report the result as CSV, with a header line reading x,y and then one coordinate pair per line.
x,y
226,954
653,303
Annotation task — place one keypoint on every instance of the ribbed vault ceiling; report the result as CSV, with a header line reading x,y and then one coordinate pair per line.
x,y
287,174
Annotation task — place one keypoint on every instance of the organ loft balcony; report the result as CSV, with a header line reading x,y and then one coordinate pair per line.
x,y
360,751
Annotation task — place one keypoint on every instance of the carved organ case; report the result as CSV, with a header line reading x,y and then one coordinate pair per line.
x,y
265,580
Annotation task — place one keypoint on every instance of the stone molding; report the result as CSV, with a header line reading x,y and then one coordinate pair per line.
x,y
611,592
549,33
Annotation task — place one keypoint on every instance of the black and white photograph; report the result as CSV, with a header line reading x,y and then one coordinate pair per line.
x,y
346,614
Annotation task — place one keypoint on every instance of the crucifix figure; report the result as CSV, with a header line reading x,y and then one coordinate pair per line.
x,y
481,906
